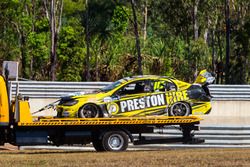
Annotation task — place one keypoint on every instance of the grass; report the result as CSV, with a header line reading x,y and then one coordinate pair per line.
x,y
171,157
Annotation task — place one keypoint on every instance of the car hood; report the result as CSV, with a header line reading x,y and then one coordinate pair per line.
x,y
86,96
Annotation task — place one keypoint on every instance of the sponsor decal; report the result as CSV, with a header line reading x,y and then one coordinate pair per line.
x,y
173,97
154,100
113,108
144,102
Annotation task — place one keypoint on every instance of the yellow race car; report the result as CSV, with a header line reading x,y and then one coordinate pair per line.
x,y
139,96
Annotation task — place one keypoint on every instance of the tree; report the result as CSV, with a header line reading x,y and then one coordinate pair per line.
x,y
70,54
54,9
87,38
137,39
227,18
100,39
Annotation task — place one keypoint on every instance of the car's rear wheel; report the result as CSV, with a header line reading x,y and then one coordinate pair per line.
x,y
89,111
180,109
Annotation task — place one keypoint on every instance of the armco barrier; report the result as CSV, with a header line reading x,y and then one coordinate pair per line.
x,y
230,92
43,89
213,135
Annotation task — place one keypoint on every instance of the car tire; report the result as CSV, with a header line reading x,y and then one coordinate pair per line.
x,y
115,141
89,111
180,109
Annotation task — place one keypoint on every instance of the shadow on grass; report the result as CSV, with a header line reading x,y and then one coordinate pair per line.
x,y
74,151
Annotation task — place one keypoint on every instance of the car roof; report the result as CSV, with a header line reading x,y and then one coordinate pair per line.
x,y
149,77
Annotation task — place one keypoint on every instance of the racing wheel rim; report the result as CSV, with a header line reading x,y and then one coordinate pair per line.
x,y
89,111
179,109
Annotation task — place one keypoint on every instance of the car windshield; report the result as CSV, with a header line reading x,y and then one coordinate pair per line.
x,y
113,85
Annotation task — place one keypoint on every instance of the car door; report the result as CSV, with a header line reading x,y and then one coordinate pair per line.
x,y
159,98
130,99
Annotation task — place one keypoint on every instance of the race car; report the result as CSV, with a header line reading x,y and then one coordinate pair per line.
x,y
140,96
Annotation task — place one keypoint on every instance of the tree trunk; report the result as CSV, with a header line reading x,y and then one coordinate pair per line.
x,y
227,16
55,26
206,35
145,14
195,19
33,9
87,39
53,41
23,44
219,60
25,72
213,53
196,29
137,40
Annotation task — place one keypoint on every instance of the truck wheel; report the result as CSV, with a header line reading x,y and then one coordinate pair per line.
x,y
115,141
97,144
179,109
88,111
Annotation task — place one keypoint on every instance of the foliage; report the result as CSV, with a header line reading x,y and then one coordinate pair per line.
x,y
169,49
70,55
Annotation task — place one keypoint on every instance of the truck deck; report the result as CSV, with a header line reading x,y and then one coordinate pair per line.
x,y
152,120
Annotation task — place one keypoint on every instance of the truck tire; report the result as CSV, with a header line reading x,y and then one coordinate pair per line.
x,y
97,144
115,141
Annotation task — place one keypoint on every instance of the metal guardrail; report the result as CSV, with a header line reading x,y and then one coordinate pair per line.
x,y
43,89
230,92
213,135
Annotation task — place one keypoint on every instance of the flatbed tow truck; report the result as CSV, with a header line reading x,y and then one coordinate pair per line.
x,y
18,127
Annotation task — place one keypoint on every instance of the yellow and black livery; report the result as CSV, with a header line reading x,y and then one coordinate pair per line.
x,y
138,96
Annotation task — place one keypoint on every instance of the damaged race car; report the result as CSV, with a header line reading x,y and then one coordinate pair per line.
x,y
141,96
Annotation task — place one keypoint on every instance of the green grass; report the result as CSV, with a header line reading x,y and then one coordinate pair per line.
x,y
171,157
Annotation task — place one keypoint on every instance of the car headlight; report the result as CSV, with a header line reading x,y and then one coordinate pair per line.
x,y
70,102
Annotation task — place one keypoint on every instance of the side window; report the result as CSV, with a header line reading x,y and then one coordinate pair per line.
x,y
162,86
134,88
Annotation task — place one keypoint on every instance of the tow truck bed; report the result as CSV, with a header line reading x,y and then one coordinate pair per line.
x,y
152,120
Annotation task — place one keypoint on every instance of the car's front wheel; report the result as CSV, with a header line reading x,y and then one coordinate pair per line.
x,y
179,109
88,111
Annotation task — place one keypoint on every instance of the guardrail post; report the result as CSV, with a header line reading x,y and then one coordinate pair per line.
x,y
10,91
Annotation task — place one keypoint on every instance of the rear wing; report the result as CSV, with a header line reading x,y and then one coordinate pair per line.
x,y
204,77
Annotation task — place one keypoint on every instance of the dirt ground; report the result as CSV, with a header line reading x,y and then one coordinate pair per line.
x,y
170,157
